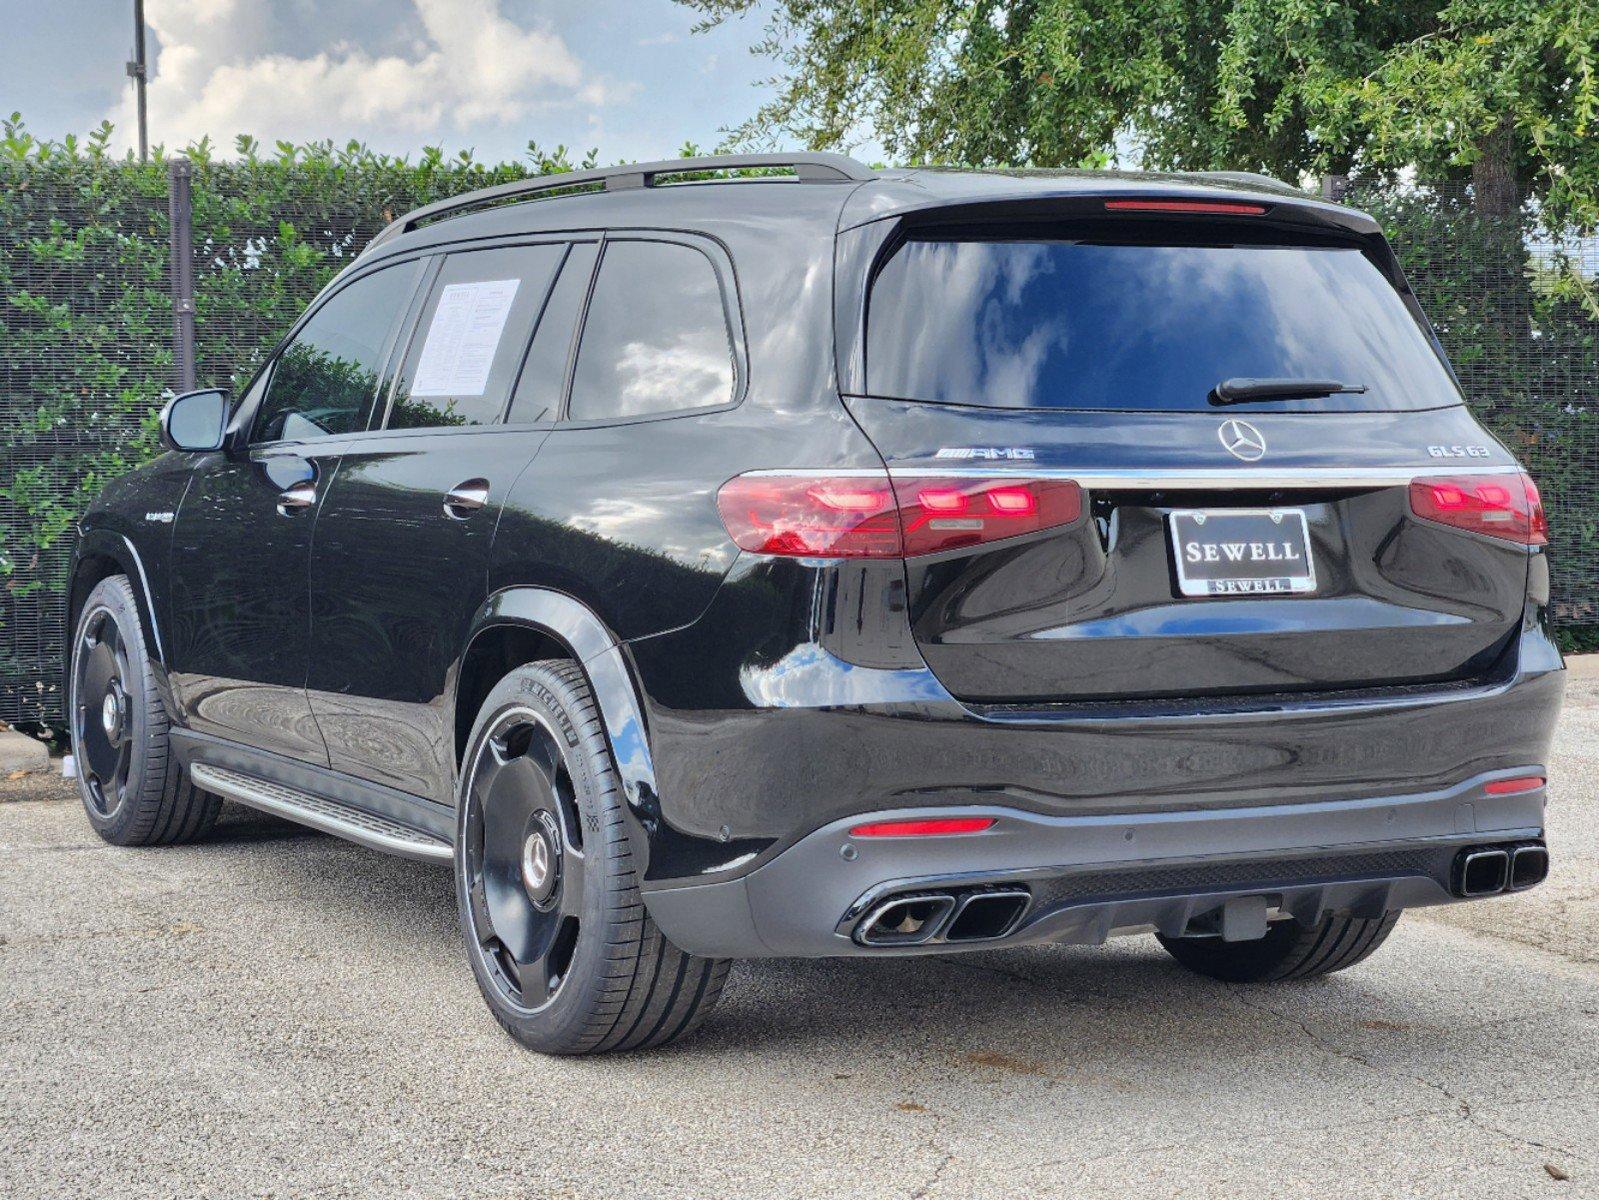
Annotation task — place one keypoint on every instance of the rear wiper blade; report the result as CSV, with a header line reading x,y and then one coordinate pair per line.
x,y
1242,391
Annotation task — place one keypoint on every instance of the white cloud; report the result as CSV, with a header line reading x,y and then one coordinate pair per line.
x,y
217,74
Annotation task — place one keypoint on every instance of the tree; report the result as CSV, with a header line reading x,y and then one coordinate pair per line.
x,y
1504,92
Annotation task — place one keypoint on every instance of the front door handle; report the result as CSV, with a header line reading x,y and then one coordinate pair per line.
x,y
465,498
294,499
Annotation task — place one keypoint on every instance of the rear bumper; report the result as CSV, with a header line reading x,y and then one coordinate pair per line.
x,y
1089,876
798,706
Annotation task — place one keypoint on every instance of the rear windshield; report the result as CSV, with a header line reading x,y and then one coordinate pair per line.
x,y
1079,324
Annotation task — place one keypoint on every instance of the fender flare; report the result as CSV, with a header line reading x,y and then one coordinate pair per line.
x,y
601,656
107,543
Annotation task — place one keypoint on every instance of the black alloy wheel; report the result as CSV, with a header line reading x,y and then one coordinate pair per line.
x,y
524,860
102,715
547,879
133,788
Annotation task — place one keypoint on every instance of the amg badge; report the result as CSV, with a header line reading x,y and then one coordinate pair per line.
x,y
985,452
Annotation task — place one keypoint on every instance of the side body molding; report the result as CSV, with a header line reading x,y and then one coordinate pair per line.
x,y
605,663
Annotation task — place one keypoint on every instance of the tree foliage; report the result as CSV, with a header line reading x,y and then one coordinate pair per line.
x,y
1503,89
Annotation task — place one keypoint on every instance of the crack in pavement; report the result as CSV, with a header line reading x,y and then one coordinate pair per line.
x,y
935,1141
1461,1106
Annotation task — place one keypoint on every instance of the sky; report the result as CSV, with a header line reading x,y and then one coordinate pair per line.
x,y
627,77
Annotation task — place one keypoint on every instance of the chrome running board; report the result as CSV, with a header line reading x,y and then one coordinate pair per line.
x,y
341,820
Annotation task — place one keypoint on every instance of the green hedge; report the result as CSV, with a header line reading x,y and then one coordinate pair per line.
x,y
86,321
85,332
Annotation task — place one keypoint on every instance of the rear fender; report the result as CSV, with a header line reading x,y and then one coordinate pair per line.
x,y
593,646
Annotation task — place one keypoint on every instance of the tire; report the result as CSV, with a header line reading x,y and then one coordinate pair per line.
x,y
1289,950
562,947
133,789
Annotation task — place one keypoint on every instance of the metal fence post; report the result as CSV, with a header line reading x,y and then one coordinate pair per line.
x,y
180,174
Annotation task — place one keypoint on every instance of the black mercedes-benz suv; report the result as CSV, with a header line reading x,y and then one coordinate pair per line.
x,y
836,562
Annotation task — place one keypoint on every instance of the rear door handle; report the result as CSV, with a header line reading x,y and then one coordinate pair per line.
x,y
293,499
465,498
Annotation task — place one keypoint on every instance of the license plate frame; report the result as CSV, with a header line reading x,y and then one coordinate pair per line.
x,y
1272,567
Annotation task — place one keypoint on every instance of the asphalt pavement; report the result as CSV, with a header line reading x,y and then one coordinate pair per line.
x,y
277,1013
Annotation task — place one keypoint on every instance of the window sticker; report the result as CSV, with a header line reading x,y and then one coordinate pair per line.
x,y
462,338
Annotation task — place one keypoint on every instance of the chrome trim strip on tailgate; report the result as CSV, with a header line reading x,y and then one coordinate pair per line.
x,y
1173,479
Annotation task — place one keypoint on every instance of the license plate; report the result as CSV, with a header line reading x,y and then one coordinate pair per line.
x,y
1242,551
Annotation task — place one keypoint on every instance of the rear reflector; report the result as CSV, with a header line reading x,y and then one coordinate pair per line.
x,y
1509,787
1234,207
823,516
936,827
1503,506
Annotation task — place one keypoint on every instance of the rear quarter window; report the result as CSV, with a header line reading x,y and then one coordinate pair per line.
x,y
656,338
1100,325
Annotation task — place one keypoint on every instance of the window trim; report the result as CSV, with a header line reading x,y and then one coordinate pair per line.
x,y
405,328
380,427
565,388
732,315
244,421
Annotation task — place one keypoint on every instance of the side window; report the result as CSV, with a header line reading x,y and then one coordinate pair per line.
x,y
656,337
326,379
470,338
538,387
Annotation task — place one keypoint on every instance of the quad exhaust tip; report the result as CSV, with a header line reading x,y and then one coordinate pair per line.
x,y
914,918
1489,870
1529,866
905,920
1483,872
984,915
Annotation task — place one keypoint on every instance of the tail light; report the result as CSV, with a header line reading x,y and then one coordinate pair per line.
x,y
867,516
1503,506
820,516
946,513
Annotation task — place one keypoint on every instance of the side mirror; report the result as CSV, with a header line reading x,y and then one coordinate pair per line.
x,y
195,420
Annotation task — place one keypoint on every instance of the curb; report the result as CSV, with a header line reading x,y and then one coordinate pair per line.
x,y
19,752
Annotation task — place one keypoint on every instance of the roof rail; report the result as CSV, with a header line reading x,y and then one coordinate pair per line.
x,y
811,167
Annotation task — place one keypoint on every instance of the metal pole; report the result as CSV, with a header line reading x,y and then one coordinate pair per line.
x,y
180,174
138,73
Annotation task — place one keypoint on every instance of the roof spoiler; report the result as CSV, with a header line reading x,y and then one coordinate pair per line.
x,y
816,167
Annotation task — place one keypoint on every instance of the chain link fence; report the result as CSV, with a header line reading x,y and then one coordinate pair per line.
x,y
87,348
1517,316
87,345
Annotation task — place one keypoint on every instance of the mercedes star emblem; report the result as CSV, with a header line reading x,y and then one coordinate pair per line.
x,y
1242,440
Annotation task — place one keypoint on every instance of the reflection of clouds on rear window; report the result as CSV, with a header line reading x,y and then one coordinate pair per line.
x,y
656,336
1070,324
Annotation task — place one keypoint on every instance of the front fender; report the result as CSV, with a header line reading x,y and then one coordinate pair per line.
x,y
108,543
101,543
